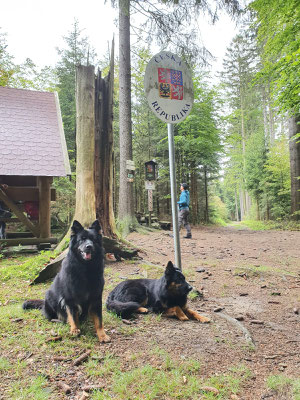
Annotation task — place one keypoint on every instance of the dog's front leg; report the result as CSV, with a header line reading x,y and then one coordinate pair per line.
x,y
176,312
194,315
96,314
73,320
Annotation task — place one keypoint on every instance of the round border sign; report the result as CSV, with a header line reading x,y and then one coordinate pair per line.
x,y
168,86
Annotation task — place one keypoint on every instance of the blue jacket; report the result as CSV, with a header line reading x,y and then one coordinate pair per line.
x,y
184,200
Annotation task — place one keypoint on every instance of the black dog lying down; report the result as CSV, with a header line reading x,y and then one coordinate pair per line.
x,y
3,214
167,295
77,289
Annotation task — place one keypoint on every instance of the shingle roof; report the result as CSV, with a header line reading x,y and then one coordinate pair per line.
x,y
32,140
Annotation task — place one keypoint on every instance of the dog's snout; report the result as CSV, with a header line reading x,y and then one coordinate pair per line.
x,y
89,245
190,288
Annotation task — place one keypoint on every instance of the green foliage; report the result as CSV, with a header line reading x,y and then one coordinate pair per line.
x,y
278,24
63,209
25,75
7,67
278,181
218,211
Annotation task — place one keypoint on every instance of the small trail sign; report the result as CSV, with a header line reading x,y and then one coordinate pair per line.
x,y
169,87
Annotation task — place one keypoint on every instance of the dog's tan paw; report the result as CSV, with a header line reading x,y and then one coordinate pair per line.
x,y
202,319
104,338
75,331
183,318
142,310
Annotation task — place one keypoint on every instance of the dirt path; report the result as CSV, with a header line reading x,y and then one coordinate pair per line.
x,y
250,275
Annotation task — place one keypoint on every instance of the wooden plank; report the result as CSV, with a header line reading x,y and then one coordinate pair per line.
x,y
44,183
17,180
26,193
17,235
14,208
26,241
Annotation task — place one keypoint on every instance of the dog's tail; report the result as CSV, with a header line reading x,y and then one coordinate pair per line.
x,y
29,304
123,310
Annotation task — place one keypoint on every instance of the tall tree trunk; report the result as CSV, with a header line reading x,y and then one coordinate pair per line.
x,y
265,115
85,210
126,208
271,118
236,206
244,193
294,128
206,215
104,150
194,195
242,203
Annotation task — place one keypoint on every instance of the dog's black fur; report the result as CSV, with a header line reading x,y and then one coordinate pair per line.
x,y
167,295
77,289
3,214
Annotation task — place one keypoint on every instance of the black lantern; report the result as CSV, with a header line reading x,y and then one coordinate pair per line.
x,y
150,174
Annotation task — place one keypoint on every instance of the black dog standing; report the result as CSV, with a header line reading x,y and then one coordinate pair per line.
x,y
77,289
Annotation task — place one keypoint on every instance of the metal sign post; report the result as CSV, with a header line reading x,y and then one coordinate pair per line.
x,y
173,195
169,90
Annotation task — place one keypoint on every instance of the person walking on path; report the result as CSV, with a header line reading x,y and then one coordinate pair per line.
x,y
183,203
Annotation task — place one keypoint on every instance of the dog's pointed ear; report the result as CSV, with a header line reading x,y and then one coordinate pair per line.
x,y
76,227
170,269
96,226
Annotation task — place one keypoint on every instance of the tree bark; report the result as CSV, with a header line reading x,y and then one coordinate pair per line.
x,y
194,196
206,195
126,209
294,145
85,210
104,150
236,206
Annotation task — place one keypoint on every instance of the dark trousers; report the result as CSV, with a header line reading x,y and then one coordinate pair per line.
x,y
183,220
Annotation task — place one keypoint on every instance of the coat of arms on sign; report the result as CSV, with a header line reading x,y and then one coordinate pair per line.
x,y
170,84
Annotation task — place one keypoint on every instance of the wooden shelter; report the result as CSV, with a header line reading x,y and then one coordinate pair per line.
x,y
32,151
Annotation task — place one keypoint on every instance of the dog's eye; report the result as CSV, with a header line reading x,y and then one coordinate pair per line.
x,y
83,238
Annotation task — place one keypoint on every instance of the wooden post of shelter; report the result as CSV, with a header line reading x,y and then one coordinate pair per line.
x,y
44,183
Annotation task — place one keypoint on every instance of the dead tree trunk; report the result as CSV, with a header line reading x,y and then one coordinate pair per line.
x,y
85,210
104,156
294,128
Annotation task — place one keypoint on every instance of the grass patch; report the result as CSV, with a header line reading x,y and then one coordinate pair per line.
x,y
105,367
269,225
171,380
285,386
34,389
5,364
25,268
253,271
